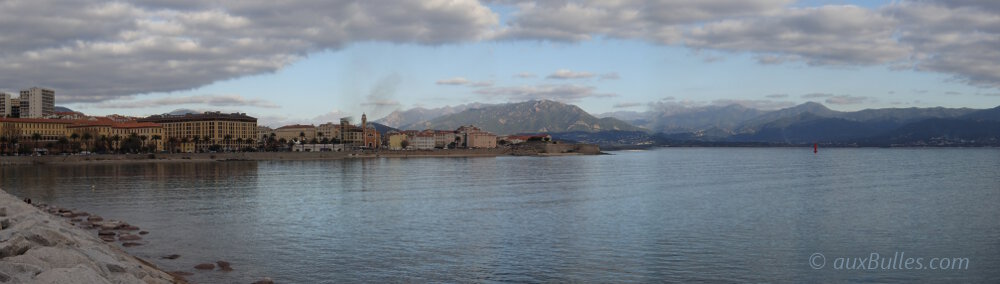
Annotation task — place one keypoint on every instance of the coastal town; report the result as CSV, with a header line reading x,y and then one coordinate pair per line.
x,y
30,125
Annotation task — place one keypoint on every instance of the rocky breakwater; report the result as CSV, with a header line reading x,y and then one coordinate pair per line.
x,y
37,247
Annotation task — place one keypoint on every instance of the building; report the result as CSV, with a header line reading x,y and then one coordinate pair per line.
x,y
473,137
423,140
31,131
37,102
360,136
199,132
4,104
15,108
518,139
151,134
396,141
443,138
329,131
296,132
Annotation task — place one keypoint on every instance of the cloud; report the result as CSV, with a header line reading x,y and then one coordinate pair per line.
x,y
820,35
563,74
953,93
610,76
381,98
453,81
757,104
816,95
847,100
626,105
777,96
563,93
96,50
461,81
279,121
657,21
525,75
205,100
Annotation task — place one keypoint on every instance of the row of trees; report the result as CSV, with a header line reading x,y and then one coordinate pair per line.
x,y
11,142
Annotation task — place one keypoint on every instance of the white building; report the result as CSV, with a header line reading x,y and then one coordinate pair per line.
x,y
4,104
423,141
37,102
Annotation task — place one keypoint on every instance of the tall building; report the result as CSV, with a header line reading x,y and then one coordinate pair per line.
x,y
37,102
4,104
198,132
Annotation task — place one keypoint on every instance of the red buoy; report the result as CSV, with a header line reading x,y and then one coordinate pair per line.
x,y
815,148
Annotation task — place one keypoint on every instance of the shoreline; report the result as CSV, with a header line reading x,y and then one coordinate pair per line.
x,y
38,247
288,156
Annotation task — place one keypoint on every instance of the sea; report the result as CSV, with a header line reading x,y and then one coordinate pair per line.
x,y
689,215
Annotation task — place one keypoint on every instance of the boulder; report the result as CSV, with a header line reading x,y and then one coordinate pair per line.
x,y
172,256
95,218
265,280
131,244
205,266
143,232
129,238
106,233
224,265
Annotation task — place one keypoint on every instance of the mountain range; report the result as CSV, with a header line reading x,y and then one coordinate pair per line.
x,y
720,125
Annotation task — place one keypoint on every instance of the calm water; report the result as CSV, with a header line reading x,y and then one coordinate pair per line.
x,y
670,215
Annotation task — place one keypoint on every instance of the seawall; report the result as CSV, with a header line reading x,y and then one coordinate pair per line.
x,y
36,247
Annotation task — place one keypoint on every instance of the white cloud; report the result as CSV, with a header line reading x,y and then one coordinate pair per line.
x,y
563,93
626,105
204,100
453,81
525,75
563,74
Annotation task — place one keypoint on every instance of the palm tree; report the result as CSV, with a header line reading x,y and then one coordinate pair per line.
x,y
196,139
227,138
143,139
171,144
36,136
105,142
74,137
302,137
86,137
116,142
62,144
239,143
156,138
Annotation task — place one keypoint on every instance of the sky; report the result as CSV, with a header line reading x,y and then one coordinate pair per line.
x,y
316,61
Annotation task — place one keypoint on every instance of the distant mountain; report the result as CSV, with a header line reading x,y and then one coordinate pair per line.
x,y
754,124
527,117
382,129
183,111
719,118
63,109
401,119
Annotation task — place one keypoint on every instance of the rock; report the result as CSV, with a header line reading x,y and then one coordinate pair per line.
x,y
130,244
66,214
115,268
77,274
181,273
129,238
265,280
74,220
224,265
4,224
205,266
106,233
64,210
172,256
81,214
3,212
14,247
128,227
95,218
108,238
38,239
143,232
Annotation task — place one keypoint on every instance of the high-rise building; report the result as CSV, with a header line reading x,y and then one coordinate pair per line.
x,y
4,104
37,102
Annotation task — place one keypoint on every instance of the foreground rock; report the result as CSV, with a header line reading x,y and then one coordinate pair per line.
x,y
37,247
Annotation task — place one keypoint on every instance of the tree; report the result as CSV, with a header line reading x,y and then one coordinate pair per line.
x,y
172,144
87,137
75,136
62,144
116,142
239,143
156,138
143,139
405,143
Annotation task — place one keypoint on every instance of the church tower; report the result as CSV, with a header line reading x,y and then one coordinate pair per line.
x,y
364,121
